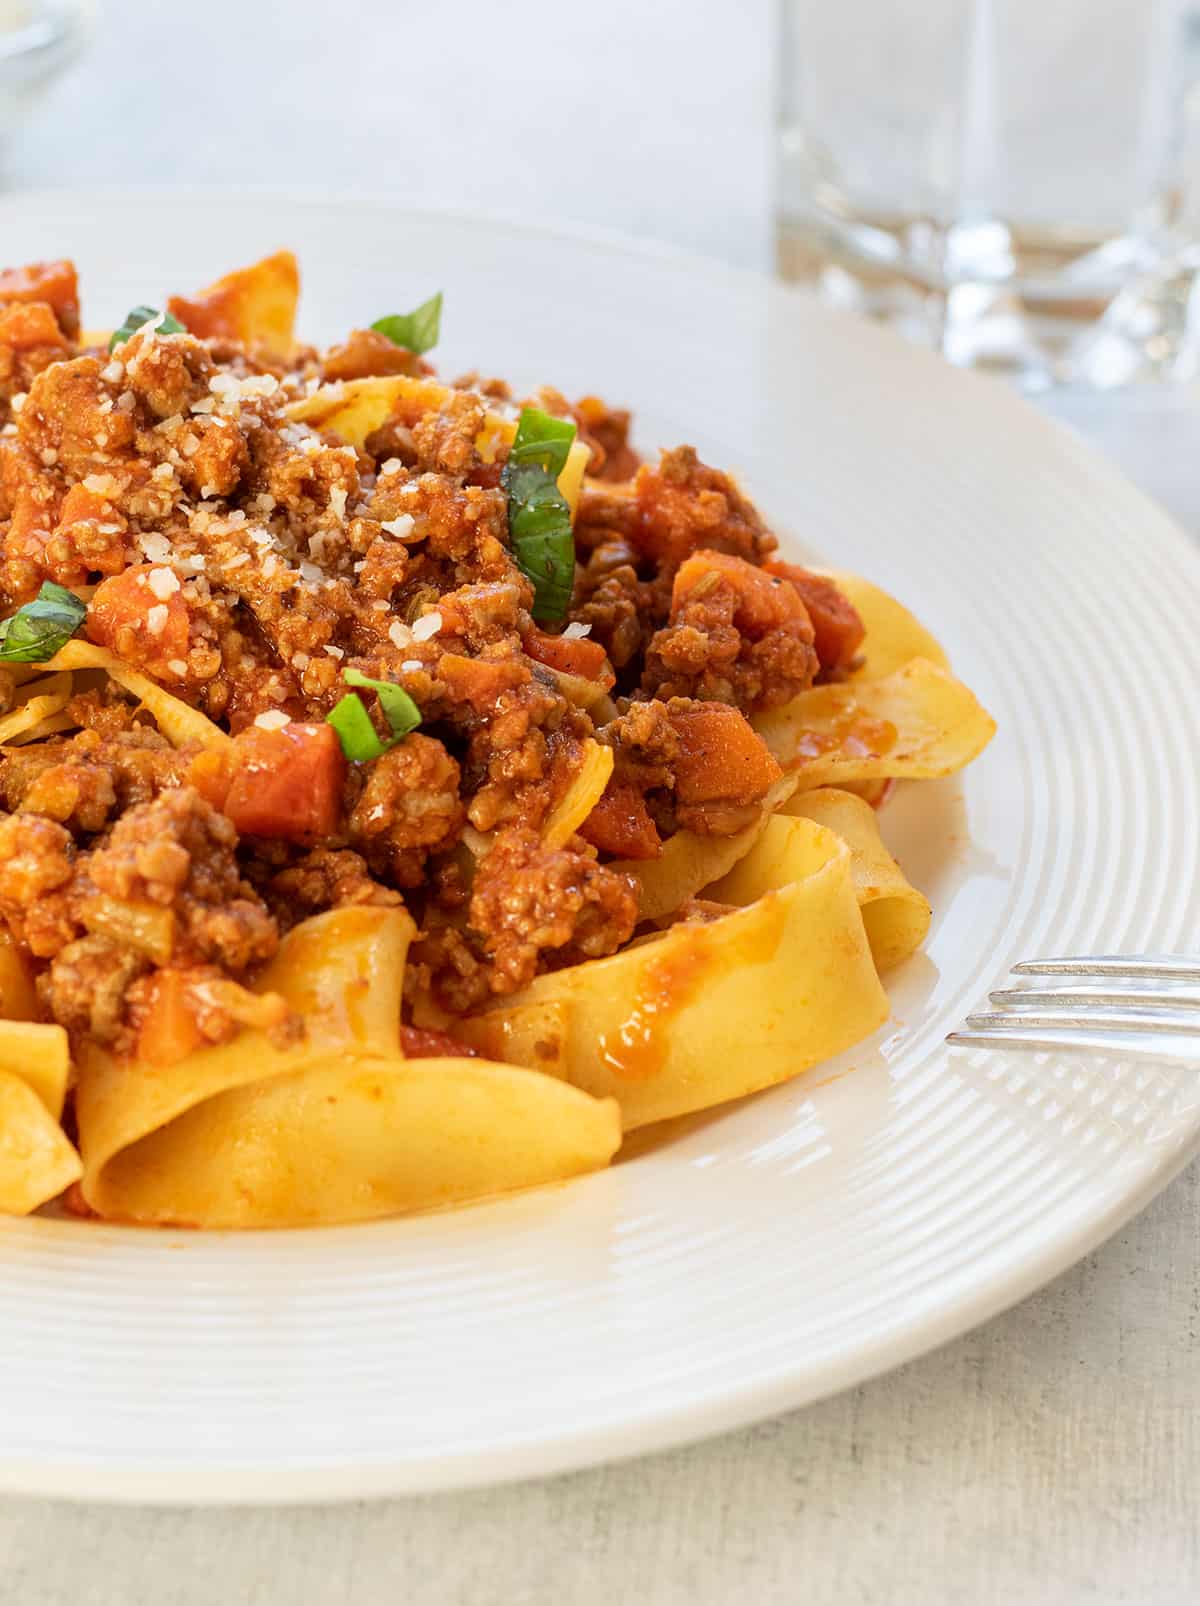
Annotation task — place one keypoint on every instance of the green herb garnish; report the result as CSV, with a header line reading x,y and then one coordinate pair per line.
x,y
416,331
134,321
37,630
349,718
539,519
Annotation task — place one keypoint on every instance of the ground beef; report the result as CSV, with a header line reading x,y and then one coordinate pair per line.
x,y
645,744
605,431
529,899
84,780
179,853
75,419
37,865
366,352
736,635
617,607
684,505
323,879
86,986
408,808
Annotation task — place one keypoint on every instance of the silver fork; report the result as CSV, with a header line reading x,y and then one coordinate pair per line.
x,y
1139,1006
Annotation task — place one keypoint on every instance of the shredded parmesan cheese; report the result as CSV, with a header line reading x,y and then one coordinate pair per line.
x,y
427,625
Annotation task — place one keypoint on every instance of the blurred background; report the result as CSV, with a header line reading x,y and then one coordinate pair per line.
x,y
1013,182
653,118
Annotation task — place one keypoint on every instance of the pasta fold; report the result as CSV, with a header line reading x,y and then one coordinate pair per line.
x,y
337,1127
179,722
709,1012
36,1160
916,723
896,916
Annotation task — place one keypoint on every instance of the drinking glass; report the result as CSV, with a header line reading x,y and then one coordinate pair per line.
x,y
1011,181
38,38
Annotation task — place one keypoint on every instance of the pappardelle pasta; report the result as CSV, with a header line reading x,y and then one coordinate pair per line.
x,y
405,789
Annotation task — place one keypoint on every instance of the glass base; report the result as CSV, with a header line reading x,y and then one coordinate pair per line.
x,y
1043,310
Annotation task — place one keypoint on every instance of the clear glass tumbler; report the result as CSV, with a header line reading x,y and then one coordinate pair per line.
x,y
38,39
1012,181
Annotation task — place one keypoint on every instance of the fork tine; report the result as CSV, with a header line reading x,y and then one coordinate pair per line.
x,y
1020,997
1091,1020
1166,968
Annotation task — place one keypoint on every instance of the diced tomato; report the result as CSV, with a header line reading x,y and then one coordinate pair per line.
x,y
28,325
479,681
837,625
365,354
620,824
286,783
80,504
128,615
420,1043
571,655
53,282
762,601
720,755
169,1031
210,773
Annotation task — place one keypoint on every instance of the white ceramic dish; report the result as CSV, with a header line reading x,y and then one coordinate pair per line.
x,y
808,1238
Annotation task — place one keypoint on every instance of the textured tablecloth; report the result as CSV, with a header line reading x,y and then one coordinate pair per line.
x,y
1052,1456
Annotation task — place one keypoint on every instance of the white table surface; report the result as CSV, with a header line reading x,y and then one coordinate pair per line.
x,y
1053,1455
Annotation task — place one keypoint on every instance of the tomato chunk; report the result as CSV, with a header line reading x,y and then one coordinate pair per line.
x,y
571,655
620,824
837,627
169,1031
286,783
761,602
30,326
137,615
720,755
53,282
420,1043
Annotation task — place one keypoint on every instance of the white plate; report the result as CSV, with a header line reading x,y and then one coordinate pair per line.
x,y
805,1239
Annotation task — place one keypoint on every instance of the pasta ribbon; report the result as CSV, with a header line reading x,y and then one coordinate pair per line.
x,y
39,1056
37,702
896,916
585,791
916,723
338,1127
256,304
179,722
352,409
709,1012
36,1160
689,862
893,636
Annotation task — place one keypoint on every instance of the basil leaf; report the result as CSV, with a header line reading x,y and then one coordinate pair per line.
x,y
134,321
358,736
354,729
542,438
401,713
539,519
37,630
416,331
